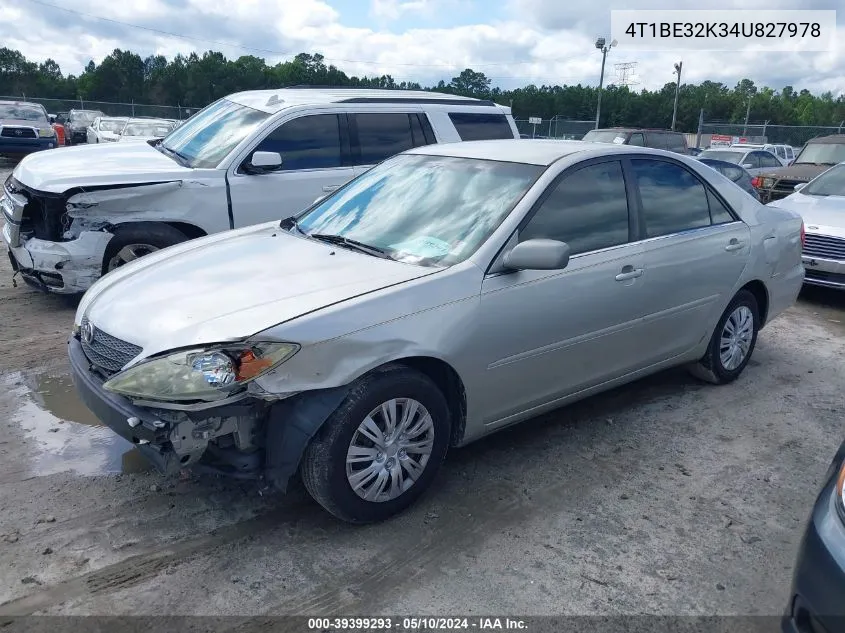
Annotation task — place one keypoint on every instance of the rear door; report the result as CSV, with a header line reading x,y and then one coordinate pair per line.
x,y
376,136
695,249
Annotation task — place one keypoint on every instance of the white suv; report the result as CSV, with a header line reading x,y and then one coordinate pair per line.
x,y
784,153
251,157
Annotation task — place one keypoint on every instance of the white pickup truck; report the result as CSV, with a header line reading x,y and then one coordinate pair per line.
x,y
73,214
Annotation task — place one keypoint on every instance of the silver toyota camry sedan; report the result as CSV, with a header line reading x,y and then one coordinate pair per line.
x,y
448,292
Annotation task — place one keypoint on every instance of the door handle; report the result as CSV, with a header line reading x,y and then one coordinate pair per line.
x,y
629,272
330,188
734,245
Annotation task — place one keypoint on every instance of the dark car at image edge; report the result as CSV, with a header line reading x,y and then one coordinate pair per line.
x,y
817,599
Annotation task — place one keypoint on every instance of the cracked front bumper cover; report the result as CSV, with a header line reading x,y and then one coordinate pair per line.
x,y
115,411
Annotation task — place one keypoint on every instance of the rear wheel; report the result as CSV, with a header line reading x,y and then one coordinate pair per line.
x,y
380,449
732,342
136,240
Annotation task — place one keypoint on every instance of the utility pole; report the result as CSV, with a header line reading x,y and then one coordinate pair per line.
x,y
604,48
678,67
747,114
700,127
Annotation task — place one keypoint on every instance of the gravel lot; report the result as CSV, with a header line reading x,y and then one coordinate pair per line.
x,y
667,496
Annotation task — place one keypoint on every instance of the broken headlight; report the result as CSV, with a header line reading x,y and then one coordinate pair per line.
x,y
200,374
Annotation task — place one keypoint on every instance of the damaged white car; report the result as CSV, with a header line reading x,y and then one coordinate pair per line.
x,y
449,292
74,215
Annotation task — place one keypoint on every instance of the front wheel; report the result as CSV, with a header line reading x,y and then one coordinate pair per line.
x,y
132,241
381,448
732,342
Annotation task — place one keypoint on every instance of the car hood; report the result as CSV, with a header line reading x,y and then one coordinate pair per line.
x,y
801,172
230,286
136,139
821,214
24,123
94,165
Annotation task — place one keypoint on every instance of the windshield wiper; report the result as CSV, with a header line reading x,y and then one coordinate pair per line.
x,y
183,159
375,251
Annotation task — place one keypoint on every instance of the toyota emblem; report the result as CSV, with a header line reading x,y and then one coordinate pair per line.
x,y
18,132
87,332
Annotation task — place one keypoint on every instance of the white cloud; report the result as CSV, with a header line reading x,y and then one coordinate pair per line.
x,y
534,41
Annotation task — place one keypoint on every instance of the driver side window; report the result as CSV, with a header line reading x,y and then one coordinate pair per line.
x,y
308,142
587,209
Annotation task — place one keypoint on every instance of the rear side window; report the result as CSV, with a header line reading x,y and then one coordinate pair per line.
x,y
473,126
768,160
781,152
381,135
637,139
734,173
587,209
673,199
719,213
676,143
657,140
309,142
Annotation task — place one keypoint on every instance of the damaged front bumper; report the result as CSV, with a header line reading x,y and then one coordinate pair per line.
x,y
58,267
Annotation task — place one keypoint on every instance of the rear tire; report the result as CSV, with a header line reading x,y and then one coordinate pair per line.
x,y
132,241
732,342
394,469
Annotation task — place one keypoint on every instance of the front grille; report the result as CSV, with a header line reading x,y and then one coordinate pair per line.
x,y
785,187
18,132
824,246
107,352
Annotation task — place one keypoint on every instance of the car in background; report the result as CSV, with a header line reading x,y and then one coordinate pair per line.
x,y
733,172
754,161
821,202
105,129
816,603
76,125
237,367
240,161
59,129
693,151
658,139
142,130
784,153
24,128
818,155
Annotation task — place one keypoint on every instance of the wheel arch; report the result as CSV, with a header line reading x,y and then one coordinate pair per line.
x,y
761,294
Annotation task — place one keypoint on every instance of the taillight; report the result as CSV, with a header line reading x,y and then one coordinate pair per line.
x,y
756,181
803,235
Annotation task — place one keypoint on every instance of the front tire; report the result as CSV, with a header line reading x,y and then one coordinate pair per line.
x,y
136,240
381,448
732,342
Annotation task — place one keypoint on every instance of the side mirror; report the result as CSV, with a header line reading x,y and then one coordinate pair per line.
x,y
800,186
538,254
266,161
747,165
52,118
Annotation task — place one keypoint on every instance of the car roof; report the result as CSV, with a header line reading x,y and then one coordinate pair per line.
x,y
634,129
528,151
732,148
29,103
271,101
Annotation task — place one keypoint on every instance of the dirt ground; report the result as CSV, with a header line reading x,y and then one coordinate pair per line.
x,y
666,497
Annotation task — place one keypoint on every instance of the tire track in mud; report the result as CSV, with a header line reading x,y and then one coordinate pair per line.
x,y
149,563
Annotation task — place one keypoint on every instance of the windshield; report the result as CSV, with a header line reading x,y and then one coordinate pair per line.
x,y
830,183
208,136
428,210
606,136
112,125
23,112
86,116
822,153
730,157
147,129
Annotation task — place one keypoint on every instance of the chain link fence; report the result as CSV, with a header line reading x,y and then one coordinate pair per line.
x,y
556,127
795,135
110,108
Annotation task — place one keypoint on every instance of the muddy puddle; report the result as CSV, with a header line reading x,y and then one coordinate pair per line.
x,y
64,434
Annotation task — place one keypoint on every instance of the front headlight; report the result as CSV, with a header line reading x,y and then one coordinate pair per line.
x,y
768,183
46,132
200,374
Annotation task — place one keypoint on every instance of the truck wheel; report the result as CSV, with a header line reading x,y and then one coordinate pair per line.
x,y
380,449
136,240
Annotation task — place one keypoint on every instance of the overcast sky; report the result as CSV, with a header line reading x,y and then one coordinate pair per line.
x,y
515,42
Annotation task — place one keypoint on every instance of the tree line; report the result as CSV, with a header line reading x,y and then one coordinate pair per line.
x,y
196,80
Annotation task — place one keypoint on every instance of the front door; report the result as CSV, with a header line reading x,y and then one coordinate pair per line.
x,y
552,333
315,162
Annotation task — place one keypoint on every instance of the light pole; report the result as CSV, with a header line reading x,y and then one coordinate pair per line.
x,y
678,67
604,48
